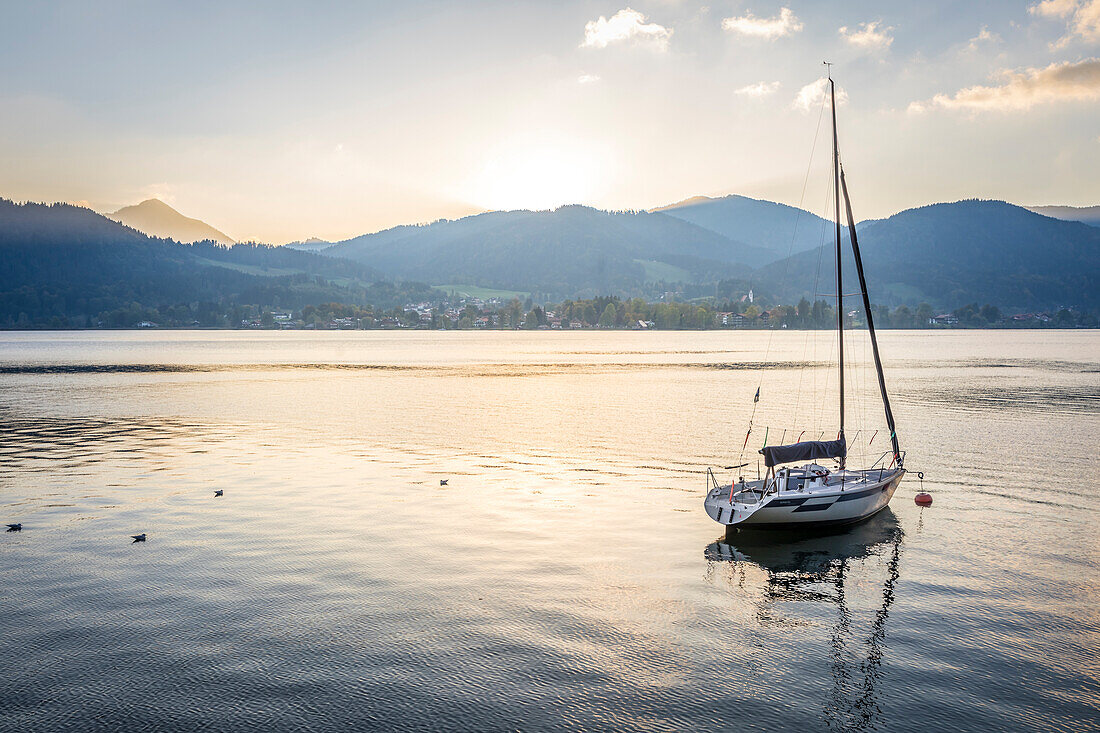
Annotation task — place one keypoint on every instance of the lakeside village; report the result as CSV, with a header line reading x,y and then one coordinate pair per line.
x,y
611,312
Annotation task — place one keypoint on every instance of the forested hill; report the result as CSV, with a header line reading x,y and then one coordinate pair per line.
x,y
573,250
66,265
782,230
951,254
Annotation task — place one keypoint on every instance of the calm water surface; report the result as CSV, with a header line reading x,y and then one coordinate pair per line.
x,y
566,576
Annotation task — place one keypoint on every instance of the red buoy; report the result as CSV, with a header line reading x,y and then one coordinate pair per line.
x,y
923,499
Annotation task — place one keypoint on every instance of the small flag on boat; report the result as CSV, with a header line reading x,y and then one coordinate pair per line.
x,y
757,397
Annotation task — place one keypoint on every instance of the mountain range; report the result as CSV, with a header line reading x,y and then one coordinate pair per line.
x,y
946,254
65,262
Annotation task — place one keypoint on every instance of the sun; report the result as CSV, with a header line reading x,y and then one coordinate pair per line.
x,y
536,171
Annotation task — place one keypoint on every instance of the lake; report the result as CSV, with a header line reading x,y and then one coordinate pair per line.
x,y
566,575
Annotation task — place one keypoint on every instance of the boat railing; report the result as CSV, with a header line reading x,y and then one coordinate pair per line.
x,y
770,487
712,481
880,462
760,494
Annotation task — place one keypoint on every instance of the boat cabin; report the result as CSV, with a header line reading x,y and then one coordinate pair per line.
x,y
805,478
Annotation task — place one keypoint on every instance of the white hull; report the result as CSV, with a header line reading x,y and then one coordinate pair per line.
x,y
795,502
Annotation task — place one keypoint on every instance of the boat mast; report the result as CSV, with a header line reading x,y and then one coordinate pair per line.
x,y
839,276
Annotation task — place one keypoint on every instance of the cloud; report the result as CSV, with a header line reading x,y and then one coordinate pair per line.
x,y
1083,18
759,89
1053,8
166,192
587,79
984,36
870,36
813,94
1086,21
1021,90
626,25
769,29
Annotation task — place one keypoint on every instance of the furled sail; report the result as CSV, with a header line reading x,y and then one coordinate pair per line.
x,y
807,450
870,322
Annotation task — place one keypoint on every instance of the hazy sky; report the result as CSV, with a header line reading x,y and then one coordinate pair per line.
x,y
278,121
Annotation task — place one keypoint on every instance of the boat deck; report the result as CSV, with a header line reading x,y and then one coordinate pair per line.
x,y
801,483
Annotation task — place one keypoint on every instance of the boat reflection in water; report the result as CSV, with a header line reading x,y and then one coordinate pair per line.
x,y
840,569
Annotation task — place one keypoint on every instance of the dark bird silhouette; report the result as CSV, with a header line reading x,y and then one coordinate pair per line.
x,y
219,492
138,537
443,482
15,527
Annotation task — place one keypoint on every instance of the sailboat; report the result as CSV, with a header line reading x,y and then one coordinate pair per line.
x,y
812,495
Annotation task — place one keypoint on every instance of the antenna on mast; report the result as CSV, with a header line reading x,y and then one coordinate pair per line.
x,y
828,69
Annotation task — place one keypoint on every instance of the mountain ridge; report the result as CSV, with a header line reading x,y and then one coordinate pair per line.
x,y
779,228
947,254
940,243
953,253
157,219
568,250
63,264
1085,214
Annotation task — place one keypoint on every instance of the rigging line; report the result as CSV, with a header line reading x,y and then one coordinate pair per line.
x,y
856,377
813,306
867,433
801,199
821,406
786,268
805,182
818,405
865,379
839,263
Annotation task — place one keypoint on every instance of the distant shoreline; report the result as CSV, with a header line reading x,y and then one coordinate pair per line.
x,y
391,329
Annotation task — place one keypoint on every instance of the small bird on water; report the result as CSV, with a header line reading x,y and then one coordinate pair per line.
x,y
138,537
442,482
219,492
15,527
